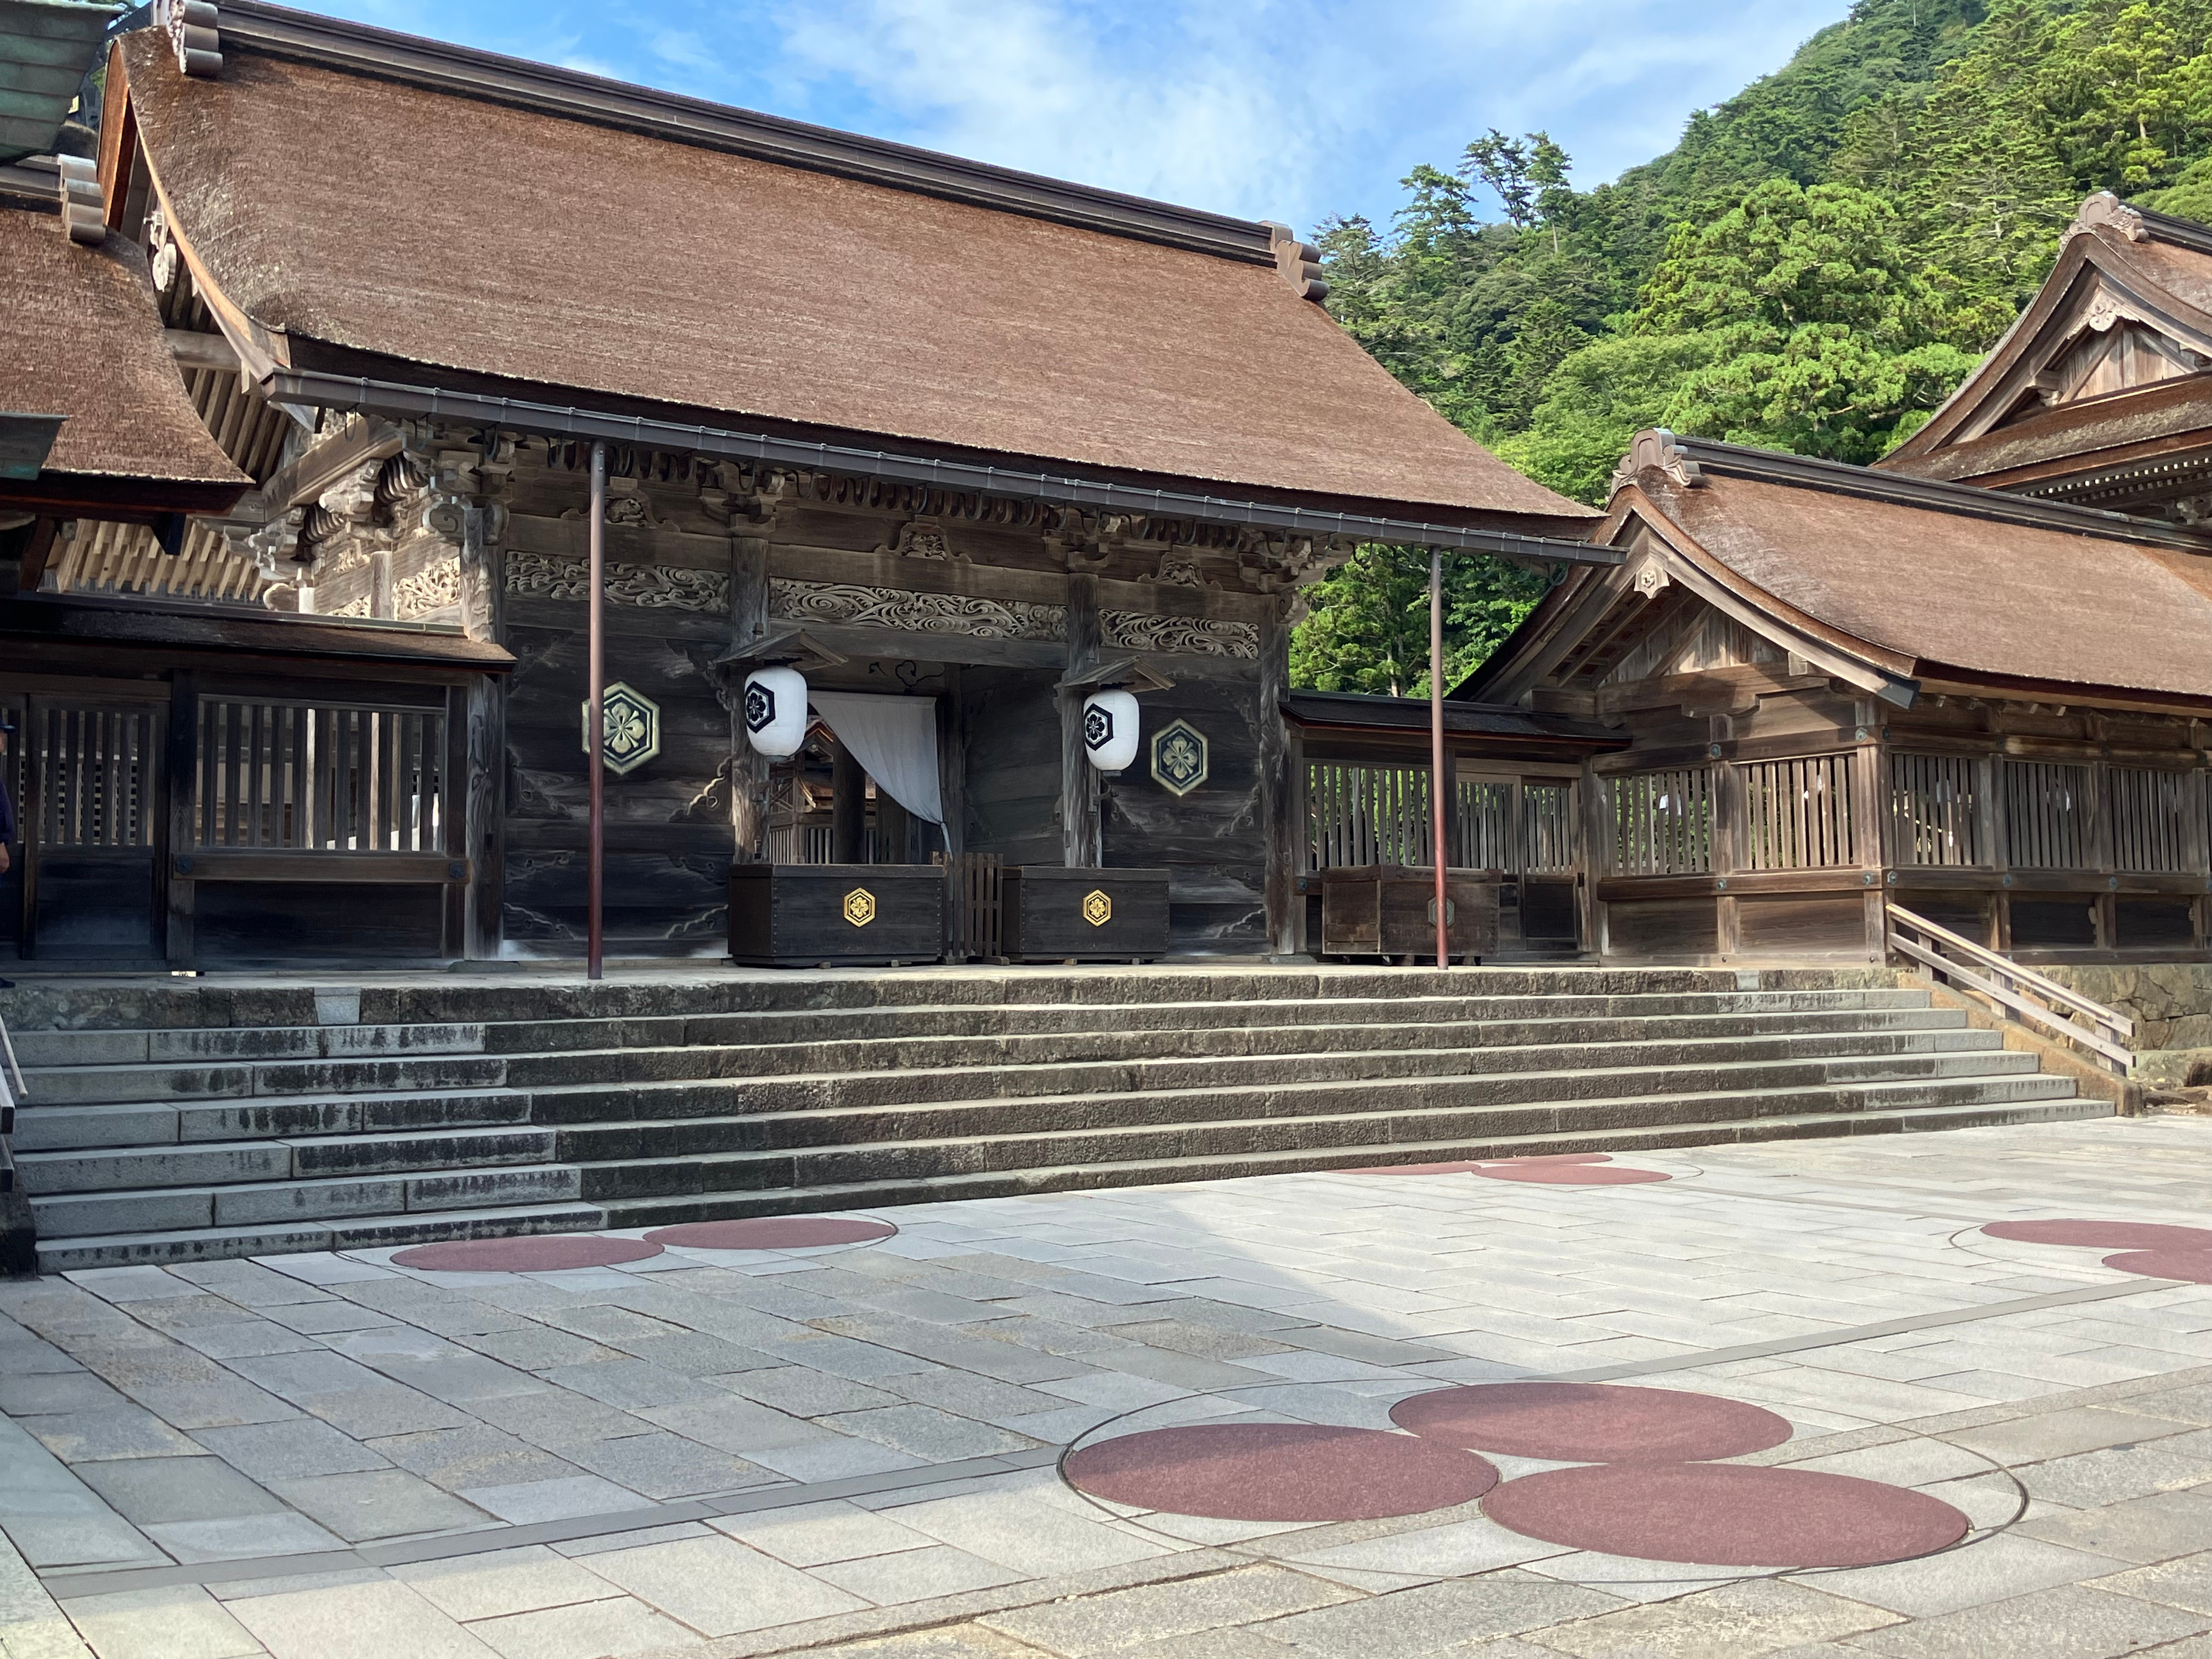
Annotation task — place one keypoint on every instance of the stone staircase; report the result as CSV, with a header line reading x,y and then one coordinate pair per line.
x,y
173,1122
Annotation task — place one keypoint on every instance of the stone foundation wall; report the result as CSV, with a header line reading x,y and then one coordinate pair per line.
x,y
2171,1002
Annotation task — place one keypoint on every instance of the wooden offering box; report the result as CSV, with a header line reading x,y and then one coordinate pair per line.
x,y
1388,910
1054,914
812,915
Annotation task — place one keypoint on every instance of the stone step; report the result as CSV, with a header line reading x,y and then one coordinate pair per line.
x,y
197,1046
69,1255
462,998
666,1210
63,1255
1311,1116
656,1064
663,1140
852,1025
103,1067
274,1203
305,1159
1782,1060
53,1128
97,1085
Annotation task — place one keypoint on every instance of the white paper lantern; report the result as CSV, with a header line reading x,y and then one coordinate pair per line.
x,y
1109,730
775,710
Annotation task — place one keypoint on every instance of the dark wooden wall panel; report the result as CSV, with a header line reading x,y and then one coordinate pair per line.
x,y
1818,924
1212,840
1661,927
668,823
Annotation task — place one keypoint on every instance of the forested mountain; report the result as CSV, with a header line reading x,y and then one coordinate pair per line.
x,y
1814,267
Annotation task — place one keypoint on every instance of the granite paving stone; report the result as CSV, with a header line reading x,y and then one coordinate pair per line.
x,y
181,1621
119,1431
809,1534
380,1619
2184,1581
478,1455
531,1501
804,1392
665,1465
501,1581
718,1587
154,1489
935,1436
2153,1528
2071,1621
377,1504
299,1449
612,1629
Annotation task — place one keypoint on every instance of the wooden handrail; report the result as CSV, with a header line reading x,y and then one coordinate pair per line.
x,y
2042,985
2004,982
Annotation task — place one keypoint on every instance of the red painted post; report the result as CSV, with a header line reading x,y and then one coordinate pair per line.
x,y
595,720
1438,787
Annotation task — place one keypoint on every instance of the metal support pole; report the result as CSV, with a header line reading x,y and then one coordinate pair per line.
x,y
1437,785
595,721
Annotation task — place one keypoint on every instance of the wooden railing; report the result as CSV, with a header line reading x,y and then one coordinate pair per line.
x,y
977,915
2021,991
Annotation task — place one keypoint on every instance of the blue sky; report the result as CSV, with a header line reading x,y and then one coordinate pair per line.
x,y
1278,109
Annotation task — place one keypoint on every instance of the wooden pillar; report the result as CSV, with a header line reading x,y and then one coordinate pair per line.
x,y
1278,787
1079,836
383,596
1871,806
1597,853
180,778
893,822
952,760
1730,845
749,619
483,814
848,809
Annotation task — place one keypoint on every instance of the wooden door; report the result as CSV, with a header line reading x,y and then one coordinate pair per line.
x,y
86,778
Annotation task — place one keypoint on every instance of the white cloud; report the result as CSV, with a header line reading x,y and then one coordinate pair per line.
x,y
1280,108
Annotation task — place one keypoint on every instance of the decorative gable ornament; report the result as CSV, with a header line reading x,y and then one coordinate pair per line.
x,y
194,30
1109,730
1180,757
775,711
630,729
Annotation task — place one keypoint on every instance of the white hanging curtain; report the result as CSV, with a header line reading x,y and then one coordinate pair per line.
x,y
895,740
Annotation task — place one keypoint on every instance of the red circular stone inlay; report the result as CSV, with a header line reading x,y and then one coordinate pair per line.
x,y
772,1232
2104,1235
1572,1175
536,1253
1279,1472
1590,1422
1726,1515
2194,1267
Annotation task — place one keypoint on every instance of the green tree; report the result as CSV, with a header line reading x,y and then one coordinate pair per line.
x,y
1367,628
1830,330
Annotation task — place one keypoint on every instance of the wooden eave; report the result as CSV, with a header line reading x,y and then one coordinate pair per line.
x,y
117,499
1487,725
1941,679
2005,375
1579,608
2079,439
34,619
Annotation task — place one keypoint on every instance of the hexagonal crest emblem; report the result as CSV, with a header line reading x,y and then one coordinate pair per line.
x,y
1098,727
760,707
630,730
859,907
1179,757
1097,907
